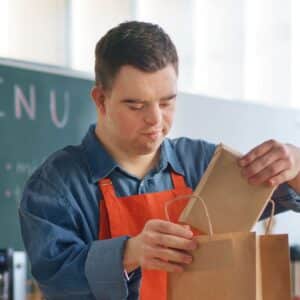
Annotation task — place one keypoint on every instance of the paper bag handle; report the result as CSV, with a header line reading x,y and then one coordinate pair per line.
x,y
168,203
210,227
270,221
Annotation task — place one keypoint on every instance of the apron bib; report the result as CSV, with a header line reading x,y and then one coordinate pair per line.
x,y
127,216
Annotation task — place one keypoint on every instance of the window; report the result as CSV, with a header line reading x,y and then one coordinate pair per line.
x,y
34,30
247,50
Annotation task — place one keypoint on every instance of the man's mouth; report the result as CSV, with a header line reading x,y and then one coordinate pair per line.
x,y
153,135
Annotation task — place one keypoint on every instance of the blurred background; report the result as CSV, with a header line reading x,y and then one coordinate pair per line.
x,y
245,49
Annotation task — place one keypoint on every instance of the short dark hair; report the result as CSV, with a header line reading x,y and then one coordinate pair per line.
x,y
142,45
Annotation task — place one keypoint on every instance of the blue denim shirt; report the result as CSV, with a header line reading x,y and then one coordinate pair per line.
x,y
59,215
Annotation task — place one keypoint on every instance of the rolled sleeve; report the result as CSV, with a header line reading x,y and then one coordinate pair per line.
x,y
287,197
57,258
107,256
57,253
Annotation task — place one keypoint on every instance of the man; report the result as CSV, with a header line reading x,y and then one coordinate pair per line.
x,y
92,215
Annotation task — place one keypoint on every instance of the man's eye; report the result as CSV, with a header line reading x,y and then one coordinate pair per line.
x,y
136,106
165,104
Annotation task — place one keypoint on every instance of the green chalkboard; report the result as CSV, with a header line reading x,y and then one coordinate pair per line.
x,y
42,109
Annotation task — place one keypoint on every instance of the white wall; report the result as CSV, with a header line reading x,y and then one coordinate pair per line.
x,y
90,20
176,18
34,31
242,126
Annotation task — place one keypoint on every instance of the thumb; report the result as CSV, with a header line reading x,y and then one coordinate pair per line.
x,y
188,227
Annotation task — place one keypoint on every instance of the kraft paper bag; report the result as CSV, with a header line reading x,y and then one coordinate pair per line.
x,y
237,266
233,204
234,266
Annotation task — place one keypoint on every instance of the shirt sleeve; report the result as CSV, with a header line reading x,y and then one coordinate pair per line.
x,y
285,199
66,266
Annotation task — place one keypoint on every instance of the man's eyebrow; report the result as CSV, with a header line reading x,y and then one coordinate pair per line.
x,y
169,97
136,100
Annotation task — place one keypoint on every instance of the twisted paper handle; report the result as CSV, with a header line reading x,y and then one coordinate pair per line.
x,y
210,227
168,203
269,224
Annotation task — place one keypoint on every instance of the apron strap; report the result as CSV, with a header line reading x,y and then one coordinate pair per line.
x,y
107,190
106,187
178,180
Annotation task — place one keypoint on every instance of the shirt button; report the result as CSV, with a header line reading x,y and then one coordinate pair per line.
x,y
141,187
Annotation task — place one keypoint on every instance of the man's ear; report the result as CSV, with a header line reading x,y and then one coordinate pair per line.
x,y
98,96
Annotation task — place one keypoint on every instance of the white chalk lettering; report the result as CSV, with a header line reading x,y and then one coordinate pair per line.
x,y
21,101
53,111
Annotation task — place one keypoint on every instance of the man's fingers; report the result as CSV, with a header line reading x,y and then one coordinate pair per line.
x,y
172,255
158,264
170,241
257,152
262,162
278,179
188,227
275,169
166,246
169,228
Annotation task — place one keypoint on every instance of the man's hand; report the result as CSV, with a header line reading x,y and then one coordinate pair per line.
x,y
162,245
272,163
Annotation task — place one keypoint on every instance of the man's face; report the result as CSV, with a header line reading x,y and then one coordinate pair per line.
x,y
138,111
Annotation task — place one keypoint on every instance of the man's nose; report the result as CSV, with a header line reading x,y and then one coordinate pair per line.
x,y
153,114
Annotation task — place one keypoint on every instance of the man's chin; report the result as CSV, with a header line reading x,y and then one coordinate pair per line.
x,y
149,148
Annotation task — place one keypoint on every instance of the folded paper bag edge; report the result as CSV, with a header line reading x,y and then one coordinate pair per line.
x,y
187,212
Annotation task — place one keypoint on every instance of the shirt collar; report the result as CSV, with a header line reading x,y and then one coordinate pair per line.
x,y
101,163
169,157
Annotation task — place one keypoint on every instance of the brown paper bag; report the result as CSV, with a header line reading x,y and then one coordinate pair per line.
x,y
233,204
235,266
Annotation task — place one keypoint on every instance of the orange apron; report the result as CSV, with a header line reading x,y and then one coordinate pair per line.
x,y
128,215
